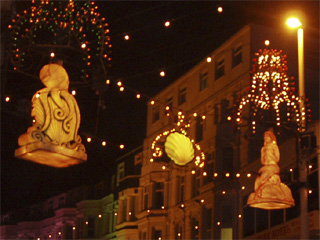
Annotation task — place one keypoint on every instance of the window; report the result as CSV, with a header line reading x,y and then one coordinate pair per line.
x,y
199,129
196,183
155,114
90,226
145,198
159,195
219,68
181,186
157,234
227,160
121,173
182,95
236,56
206,220
169,103
203,80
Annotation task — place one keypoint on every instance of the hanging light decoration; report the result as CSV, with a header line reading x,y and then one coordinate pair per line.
x,y
179,147
270,192
272,90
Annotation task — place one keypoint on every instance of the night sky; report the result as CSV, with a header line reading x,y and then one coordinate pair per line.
x,y
196,30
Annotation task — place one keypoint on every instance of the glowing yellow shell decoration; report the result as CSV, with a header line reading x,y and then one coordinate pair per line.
x,y
179,148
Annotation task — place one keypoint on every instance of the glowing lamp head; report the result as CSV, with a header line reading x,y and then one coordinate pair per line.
x,y
294,22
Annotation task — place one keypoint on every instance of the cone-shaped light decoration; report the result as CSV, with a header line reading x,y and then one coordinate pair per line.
x,y
270,192
53,139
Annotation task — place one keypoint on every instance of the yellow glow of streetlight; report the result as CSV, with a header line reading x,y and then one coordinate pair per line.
x,y
293,22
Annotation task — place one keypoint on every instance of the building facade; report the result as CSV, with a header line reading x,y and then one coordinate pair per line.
x,y
157,199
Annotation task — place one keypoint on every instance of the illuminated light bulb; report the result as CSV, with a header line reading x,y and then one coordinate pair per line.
x,y
152,102
167,24
218,223
52,54
204,174
89,139
229,118
167,108
310,191
73,92
238,175
7,99
119,83
148,211
291,170
239,216
227,174
209,59
193,172
220,9
116,214
74,228
121,146
37,95
121,89
249,175
215,174
60,232
202,200
38,238
108,81
130,213
310,166
180,113
33,120
49,236
126,37
104,143
243,187
203,117
100,216
83,45
182,205
162,207
164,167
223,192
196,227
267,42
162,73
195,114
138,96
179,234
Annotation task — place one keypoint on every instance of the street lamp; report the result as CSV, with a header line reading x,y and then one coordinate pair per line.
x,y
304,220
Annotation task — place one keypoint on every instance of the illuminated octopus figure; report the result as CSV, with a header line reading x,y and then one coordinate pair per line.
x,y
179,147
270,87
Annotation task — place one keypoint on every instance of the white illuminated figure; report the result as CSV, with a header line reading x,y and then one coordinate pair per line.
x,y
270,192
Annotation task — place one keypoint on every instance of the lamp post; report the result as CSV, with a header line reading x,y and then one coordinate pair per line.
x,y
304,220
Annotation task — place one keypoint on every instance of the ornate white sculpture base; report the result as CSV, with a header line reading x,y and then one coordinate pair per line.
x,y
270,192
53,138
51,155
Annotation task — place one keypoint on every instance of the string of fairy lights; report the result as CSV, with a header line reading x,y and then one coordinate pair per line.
x,y
74,24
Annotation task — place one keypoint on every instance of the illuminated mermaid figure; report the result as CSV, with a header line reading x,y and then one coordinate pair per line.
x,y
270,192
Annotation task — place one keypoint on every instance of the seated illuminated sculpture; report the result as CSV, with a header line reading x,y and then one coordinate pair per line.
x,y
53,138
270,192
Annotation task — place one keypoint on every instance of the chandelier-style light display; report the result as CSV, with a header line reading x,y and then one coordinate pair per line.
x,y
270,192
62,30
53,138
179,147
272,90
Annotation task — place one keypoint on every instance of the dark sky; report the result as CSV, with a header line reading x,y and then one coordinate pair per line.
x,y
196,30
